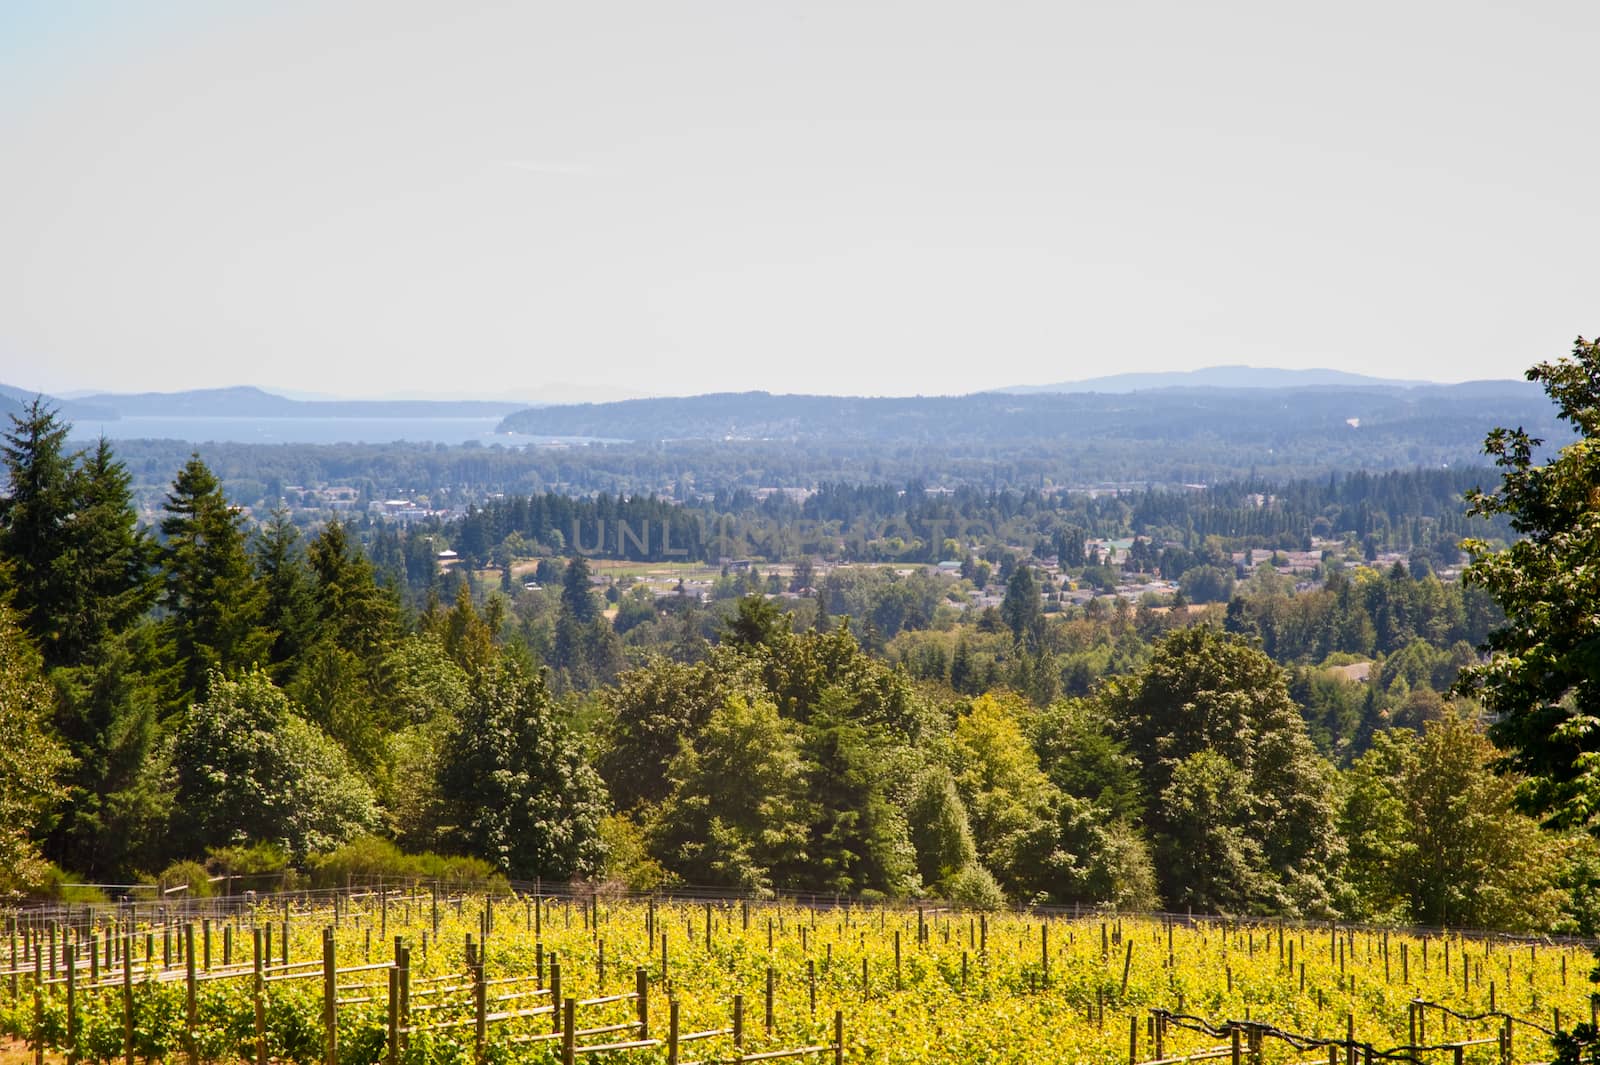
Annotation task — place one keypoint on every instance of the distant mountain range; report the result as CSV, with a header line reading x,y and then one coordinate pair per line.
x,y
1265,416
247,402
1219,377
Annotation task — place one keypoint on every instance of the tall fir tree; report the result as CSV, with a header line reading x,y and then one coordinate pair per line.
x,y
107,560
33,519
290,609
214,604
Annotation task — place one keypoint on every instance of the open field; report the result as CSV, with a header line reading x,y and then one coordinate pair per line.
x,y
563,979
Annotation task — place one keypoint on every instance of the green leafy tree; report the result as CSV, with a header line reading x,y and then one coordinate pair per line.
x,y
652,710
429,693
517,789
1435,837
248,768
1239,806
1542,679
738,814
31,758
1008,797
939,828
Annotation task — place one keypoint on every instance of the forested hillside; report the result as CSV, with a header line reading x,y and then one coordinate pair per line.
x,y
227,689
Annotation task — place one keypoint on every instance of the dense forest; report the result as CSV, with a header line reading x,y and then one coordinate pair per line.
x,y
221,692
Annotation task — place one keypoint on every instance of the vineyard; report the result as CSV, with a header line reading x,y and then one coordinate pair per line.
x,y
422,977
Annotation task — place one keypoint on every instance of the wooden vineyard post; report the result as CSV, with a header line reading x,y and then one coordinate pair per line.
x,y
38,1023
191,1017
838,1037
1350,1038
127,997
769,1017
569,1031
811,984
330,1000
738,1022
1158,1035
641,1000
897,984
1133,1041
70,951
1233,1041
555,993
403,982
1127,968
392,1050
260,989
1044,952
672,1031
480,1011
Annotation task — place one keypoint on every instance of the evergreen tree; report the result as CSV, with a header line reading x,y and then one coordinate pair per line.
x,y
107,556
353,611
289,610
858,839
108,714
518,790
34,514
1021,608
214,604
577,601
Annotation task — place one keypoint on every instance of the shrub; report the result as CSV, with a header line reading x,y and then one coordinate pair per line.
x,y
975,888
188,874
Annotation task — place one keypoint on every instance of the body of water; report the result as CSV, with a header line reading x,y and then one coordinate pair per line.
x,y
316,431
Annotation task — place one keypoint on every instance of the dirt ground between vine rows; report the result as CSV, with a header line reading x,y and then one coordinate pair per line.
x,y
13,1052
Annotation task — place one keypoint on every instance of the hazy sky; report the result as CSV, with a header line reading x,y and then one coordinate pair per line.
x,y
842,197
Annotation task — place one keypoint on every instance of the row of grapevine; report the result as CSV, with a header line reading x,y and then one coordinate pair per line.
x,y
422,977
